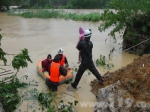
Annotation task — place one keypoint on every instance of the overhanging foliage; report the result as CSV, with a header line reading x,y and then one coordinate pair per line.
x,y
126,13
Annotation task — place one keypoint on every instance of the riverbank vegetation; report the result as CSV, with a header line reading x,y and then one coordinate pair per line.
x,y
9,82
130,14
8,93
131,20
45,14
63,4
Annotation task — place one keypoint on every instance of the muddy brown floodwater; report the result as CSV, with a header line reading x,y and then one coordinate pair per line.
x,y
43,36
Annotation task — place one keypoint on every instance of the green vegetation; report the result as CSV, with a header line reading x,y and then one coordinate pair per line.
x,y
8,93
10,98
101,61
19,60
94,16
87,4
48,4
47,99
10,84
129,14
104,61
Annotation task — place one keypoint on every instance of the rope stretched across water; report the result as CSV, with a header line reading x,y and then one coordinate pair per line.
x,y
133,46
74,65
136,45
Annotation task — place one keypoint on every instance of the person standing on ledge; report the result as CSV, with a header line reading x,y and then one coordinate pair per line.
x,y
85,46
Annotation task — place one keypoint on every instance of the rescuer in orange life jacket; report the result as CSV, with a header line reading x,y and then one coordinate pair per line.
x,y
63,60
55,70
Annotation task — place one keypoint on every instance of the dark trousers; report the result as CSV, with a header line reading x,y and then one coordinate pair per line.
x,y
52,85
79,56
83,66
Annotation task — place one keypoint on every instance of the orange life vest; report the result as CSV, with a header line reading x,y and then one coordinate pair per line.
x,y
62,61
54,72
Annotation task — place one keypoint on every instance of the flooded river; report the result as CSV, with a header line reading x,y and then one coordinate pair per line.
x,y
46,36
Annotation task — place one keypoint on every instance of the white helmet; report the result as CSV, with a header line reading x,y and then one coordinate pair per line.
x,y
87,33
60,51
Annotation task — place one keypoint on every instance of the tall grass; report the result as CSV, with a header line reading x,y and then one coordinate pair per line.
x,y
45,14
94,16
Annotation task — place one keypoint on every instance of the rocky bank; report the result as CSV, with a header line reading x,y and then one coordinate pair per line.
x,y
126,89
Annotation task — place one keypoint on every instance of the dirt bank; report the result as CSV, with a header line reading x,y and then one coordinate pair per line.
x,y
134,78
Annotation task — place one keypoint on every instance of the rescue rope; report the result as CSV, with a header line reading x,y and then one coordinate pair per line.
x,y
123,50
134,46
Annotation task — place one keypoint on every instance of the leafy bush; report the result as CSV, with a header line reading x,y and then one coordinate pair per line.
x,y
126,13
94,16
8,94
47,98
42,14
9,85
27,14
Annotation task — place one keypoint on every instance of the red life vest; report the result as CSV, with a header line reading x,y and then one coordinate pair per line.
x,y
62,61
54,71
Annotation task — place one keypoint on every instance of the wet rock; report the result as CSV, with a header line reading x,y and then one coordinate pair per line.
x,y
141,106
126,89
112,100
